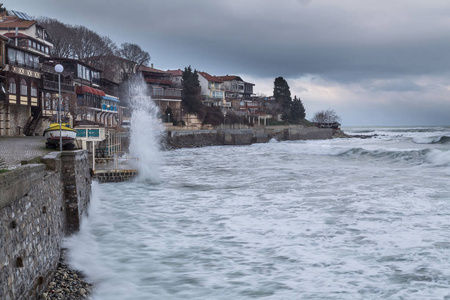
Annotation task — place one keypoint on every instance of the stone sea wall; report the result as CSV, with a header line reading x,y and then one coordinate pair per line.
x,y
39,205
200,138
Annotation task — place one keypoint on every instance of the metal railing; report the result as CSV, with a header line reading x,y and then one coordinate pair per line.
x,y
114,163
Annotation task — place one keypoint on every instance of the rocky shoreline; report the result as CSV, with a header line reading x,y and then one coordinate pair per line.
x,y
341,134
67,284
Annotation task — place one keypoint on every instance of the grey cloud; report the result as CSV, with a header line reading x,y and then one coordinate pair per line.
x,y
377,45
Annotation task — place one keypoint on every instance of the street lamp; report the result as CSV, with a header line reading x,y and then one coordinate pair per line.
x,y
59,68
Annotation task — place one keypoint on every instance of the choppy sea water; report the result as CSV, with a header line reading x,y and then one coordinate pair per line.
x,y
330,219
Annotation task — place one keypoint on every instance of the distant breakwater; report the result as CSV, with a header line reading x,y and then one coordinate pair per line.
x,y
200,138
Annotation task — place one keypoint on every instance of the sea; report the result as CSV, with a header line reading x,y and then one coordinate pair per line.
x,y
346,218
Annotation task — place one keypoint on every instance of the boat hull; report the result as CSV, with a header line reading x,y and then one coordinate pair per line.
x,y
53,133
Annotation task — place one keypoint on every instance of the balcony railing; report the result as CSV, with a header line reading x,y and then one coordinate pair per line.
x,y
53,86
169,94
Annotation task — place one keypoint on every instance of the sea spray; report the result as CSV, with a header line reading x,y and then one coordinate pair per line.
x,y
146,130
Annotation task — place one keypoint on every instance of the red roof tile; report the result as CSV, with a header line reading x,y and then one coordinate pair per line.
x,y
149,69
210,77
229,78
175,72
13,21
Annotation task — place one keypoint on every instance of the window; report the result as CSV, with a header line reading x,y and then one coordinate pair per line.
x,y
34,89
29,60
217,94
88,74
12,89
12,55
36,61
29,43
34,45
23,88
48,101
39,33
79,70
20,57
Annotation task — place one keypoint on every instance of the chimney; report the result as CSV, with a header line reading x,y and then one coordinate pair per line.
x,y
152,65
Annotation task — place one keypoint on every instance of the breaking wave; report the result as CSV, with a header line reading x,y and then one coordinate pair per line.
x,y
444,139
410,156
438,157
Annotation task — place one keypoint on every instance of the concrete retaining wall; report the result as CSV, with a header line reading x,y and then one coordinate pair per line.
x,y
37,207
200,138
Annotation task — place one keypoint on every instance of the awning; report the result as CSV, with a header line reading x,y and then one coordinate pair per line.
x,y
86,89
111,98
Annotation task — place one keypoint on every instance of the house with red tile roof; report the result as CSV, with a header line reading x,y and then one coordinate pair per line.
x,y
176,77
213,91
26,34
163,91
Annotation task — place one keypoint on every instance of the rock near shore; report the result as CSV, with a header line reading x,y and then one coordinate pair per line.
x,y
67,284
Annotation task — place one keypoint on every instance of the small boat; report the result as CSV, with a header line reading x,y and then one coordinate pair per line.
x,y
68,135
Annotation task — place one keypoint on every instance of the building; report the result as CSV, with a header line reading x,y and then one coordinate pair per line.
x,y
213,90
163,91
27,43
84,97
176,77
235,87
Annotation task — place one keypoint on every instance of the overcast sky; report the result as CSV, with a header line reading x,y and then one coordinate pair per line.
x,y
375,62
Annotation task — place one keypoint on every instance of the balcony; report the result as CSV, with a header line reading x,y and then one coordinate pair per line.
x,y
166,94
53,86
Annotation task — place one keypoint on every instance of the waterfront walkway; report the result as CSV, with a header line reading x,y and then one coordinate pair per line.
x,y
15,149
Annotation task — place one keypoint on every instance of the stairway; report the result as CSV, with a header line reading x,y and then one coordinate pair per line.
x,y
32,124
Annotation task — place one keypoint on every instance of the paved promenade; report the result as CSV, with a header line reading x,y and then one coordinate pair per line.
x,y
15,149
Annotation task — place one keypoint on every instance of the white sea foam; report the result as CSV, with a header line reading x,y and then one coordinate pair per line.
x,y
439,157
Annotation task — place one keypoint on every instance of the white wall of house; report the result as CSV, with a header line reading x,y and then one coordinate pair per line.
x,y
204,84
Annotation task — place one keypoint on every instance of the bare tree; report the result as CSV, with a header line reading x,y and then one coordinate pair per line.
x,y
87,43
76,42
326,116
61,36
134,56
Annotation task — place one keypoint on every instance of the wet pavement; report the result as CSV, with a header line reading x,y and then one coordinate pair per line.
x,y
15,149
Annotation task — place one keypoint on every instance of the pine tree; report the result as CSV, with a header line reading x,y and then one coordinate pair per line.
x,y
282,95
191,97
297,110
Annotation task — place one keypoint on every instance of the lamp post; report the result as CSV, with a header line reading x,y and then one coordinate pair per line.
x,y
59,68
